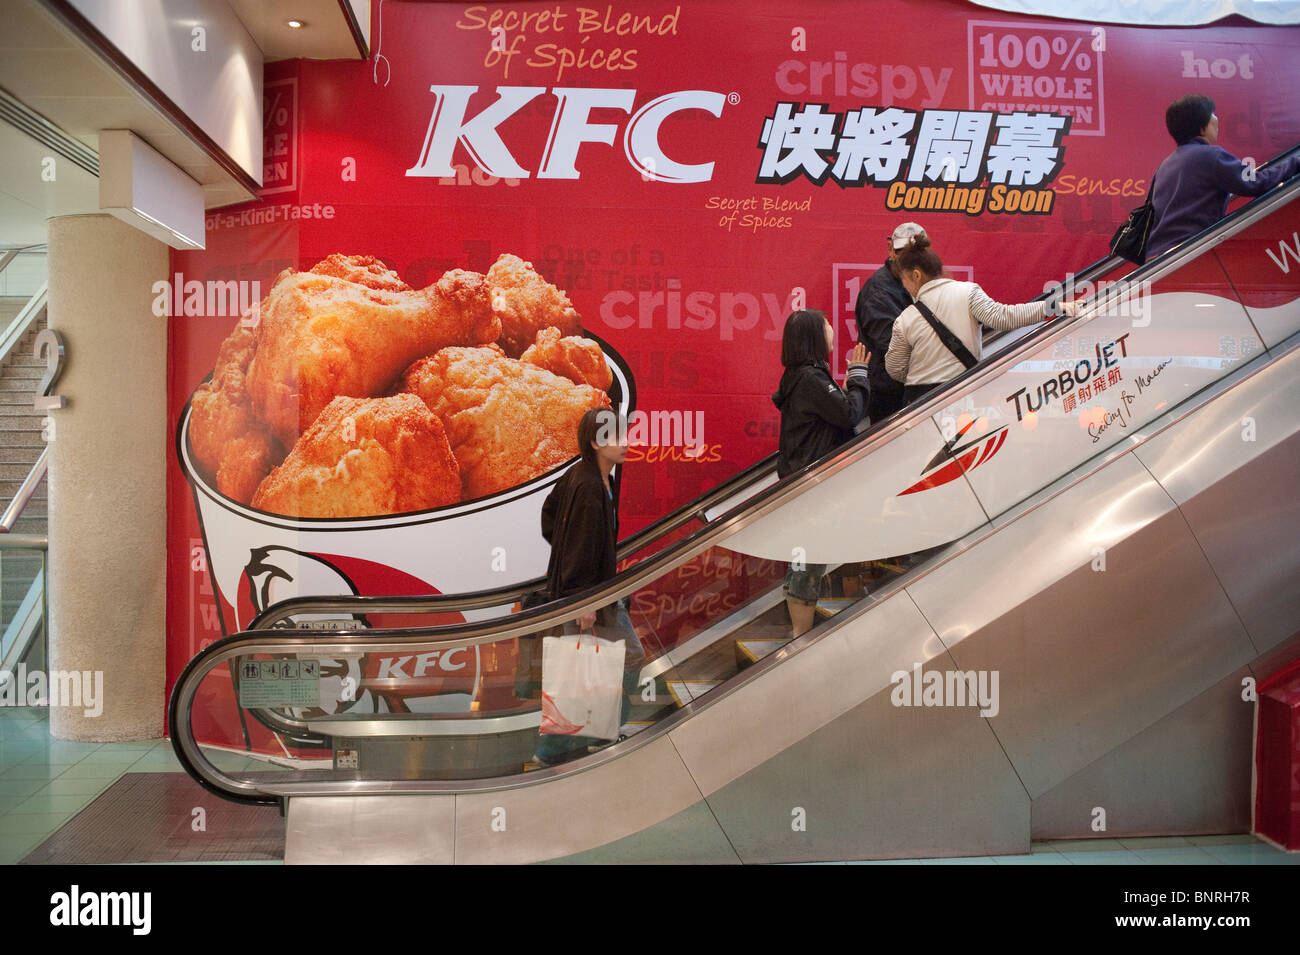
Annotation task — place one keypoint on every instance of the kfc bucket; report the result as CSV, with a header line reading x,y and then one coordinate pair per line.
x,y
490,423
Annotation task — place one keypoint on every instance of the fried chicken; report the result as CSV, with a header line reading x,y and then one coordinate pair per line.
x,y
508,421
363,269
526,303
229,441
578,359
347,331
365,456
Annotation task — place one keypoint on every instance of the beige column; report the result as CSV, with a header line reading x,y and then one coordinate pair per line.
x,y
107,495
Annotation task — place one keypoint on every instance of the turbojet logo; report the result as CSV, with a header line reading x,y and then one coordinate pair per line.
x,y
102,908
570,128
1064,384
949,688
955,458
82,689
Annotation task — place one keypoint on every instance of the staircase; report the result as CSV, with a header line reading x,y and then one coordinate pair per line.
x,y
21,444
20,424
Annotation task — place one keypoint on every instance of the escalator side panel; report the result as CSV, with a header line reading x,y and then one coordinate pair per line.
x,y
691,837
857,513
574,813
1100,614
796,696
1141,373
1188,773
1263,262
1246,520
370,830
880,781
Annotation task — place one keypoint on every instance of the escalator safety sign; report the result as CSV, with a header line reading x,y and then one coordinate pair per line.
x,y
283,682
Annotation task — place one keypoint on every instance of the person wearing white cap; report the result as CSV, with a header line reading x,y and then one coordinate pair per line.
x,y
938,336
880,301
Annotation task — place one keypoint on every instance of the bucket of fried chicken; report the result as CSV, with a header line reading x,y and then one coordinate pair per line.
x,y
359,436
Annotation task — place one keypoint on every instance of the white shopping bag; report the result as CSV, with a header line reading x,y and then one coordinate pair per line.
x,y
582,686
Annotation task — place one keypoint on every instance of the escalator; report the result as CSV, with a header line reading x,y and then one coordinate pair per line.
x,y
1102,520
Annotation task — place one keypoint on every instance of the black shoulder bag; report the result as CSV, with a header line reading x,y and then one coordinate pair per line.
x,y
1130,239
950,341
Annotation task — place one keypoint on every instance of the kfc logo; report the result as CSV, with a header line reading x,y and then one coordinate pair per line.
x,y
570,128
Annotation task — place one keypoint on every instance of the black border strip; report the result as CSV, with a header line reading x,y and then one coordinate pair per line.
x,y
136,79
354,27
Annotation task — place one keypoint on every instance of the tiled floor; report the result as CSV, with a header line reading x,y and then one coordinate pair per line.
x,y
44,782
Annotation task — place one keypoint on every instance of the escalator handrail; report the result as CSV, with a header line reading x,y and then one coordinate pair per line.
x,y
771,498
289,789
285,790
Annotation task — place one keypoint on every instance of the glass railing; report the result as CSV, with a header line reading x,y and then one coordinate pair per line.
x,y
23,585
23,546
437,707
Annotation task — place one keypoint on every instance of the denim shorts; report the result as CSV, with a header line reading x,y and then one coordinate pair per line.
x,y
805,585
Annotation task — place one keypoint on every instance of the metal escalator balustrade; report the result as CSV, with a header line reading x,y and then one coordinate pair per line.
x,y
1193,305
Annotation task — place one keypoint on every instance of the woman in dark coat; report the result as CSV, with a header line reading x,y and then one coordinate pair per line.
x,y
580,521
817,416
1192,187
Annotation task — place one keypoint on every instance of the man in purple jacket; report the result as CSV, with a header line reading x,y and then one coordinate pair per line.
x,y
1192,186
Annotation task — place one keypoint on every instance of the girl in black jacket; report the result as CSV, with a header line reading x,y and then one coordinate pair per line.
x,y
580,522
817,416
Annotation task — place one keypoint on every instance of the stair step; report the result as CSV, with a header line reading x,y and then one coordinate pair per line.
x,y
754,649
830,606
684,691
16,473
20,411
9,488
36,506
25,527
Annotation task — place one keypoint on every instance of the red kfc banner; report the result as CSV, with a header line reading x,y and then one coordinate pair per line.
x,y
515,212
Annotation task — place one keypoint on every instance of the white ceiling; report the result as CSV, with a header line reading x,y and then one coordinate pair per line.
x,y
325,37
27,199
53,73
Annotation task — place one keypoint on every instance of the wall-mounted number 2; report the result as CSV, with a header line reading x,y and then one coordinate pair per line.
x,y
49,345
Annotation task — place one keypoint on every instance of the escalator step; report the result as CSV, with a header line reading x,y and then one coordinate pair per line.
x,y
684,691
752,650
830,606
